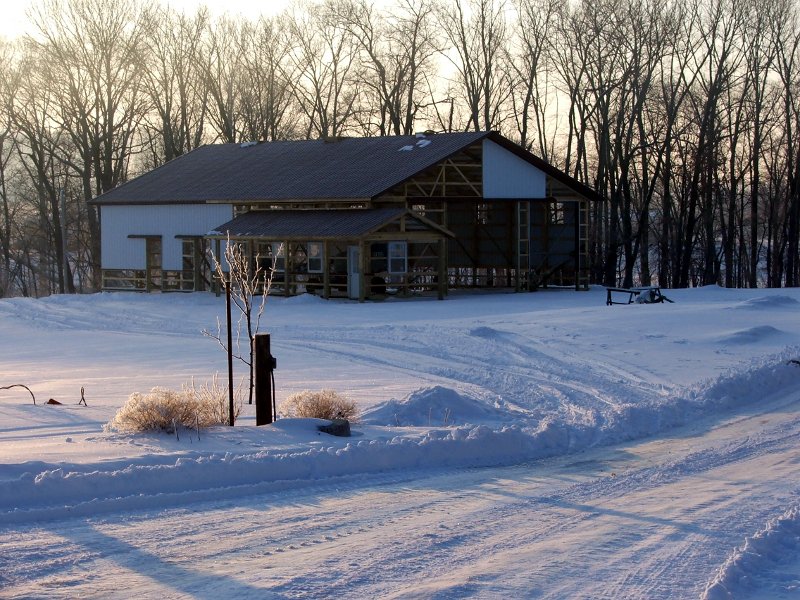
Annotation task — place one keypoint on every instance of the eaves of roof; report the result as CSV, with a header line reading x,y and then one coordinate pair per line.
x,y
315,224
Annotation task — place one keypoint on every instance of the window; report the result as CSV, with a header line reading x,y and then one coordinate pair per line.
x,y
482,213
153,250
196,266
378,257
278,254
314,257
398,257
187,253
557,213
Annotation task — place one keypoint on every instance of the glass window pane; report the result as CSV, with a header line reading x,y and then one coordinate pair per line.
x,y
398,255
277,252
314,253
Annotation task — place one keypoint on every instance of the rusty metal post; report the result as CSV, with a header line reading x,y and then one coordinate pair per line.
x,y
264,365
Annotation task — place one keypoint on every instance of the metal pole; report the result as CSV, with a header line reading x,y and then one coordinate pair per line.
x,y
230,351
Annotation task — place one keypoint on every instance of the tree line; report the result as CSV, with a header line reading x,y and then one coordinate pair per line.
x,y
684,114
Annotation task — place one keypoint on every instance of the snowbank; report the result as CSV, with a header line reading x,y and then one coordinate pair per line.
x,y
43,492
435,406
779,539
477,380
482,380
769,303
53,492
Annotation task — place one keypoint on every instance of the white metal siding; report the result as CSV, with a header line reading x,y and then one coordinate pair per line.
x,y
118,251
505,175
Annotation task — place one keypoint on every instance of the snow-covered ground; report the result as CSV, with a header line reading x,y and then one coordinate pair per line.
x,y
511,445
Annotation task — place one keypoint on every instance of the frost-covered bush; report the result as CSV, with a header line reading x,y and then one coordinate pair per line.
x,y
213,400
162,409
324,404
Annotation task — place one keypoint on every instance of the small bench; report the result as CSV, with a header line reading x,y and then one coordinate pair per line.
x,y
652,295
630,292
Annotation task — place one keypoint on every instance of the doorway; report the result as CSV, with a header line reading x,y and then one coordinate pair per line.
x,y
153,265
353,272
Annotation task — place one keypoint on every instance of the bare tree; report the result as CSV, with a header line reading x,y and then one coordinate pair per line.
x,y
41,156
325,58
221,64
676,79
397,48
650,30
759,52
478,33
717,64
683,113
599,72
786,31
266,81
7,142
176,85
95,52
245,280
531,76
568,50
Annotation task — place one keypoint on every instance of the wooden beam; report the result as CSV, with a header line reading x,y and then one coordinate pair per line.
x,y
215,280
466,179
326,271
287,267
442,269
577,209
411,236
362,268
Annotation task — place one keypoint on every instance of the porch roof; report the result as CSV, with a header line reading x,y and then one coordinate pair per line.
x,y
330,224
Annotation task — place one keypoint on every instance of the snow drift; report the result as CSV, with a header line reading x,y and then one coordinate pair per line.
x,y
779,539
44,492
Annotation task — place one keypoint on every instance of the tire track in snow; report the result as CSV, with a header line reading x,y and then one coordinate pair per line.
x,y
503,365
550,526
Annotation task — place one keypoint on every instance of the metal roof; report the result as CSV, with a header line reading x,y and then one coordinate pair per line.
x,y
341,169
307,224
348,168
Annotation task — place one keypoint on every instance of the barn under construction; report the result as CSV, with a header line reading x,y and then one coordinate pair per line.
x,y
353,217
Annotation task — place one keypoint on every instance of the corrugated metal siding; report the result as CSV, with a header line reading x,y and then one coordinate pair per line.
x,y
118,251
508,176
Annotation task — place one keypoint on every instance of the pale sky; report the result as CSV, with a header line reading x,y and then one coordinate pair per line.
x,y
14,23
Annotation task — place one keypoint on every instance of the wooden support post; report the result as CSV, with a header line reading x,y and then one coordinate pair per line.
x,y
148,268
516,224
362,269
577,212
195,264
326,271
215,283
442,245
545,266
287,269
229,351
263,378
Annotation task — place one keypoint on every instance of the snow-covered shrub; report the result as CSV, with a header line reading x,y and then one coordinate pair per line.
x,y
324,404
213,401
162,409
